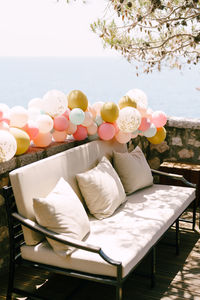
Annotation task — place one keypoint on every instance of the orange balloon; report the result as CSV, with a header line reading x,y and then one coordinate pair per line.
x,y
159,137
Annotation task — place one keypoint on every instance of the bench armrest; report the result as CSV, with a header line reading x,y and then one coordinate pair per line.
x,y
62,239
175,176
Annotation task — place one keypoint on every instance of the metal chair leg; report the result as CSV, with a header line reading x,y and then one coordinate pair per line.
x,y
153,267
194,214
10,281
177,237
119,292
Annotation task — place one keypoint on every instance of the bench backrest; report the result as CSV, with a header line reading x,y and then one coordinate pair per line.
x,y
39,178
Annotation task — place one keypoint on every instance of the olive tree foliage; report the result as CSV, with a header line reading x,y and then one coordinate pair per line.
x,y
153,33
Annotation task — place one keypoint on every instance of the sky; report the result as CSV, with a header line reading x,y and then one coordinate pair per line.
x,y
50,28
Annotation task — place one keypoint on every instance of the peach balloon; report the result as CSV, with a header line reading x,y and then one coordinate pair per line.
x,y
32,129
88,119
44,123
43,139
97,107
106,131
123,137
59,136
71,128
60,123
92,129
81,133
92,111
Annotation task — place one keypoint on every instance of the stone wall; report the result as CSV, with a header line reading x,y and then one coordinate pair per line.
x,y
182,144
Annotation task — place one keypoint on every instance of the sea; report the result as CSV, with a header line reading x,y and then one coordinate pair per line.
x,y
102,79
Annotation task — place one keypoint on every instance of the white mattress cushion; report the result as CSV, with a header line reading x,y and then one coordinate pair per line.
x,y
127,235
62,212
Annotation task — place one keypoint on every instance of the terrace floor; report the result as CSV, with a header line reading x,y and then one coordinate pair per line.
x,y
177,277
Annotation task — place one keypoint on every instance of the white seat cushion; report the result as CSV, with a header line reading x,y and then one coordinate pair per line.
x,y
127,235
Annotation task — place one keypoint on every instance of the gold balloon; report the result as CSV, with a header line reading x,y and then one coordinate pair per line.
x,y
22,139
127,101
109,112
159,137
77,99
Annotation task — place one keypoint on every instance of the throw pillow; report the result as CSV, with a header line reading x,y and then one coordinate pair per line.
x,y
62,211
102,189
133,170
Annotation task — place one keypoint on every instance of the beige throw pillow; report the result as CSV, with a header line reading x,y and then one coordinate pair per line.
x,y
62,211
133,170
102,189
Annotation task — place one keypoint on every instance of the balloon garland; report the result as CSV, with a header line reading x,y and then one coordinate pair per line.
x,y
57,116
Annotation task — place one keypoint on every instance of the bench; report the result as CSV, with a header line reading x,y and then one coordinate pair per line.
x,y
115,245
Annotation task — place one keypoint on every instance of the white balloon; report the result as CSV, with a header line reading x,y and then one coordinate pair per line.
x,y
151,131
8,146
129,119
139,96
36,102
55,103
44,123
18,116
34,113
4,107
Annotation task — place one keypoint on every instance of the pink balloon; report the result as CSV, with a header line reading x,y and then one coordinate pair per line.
x,y
32,129
106,131
72,128
92,129
81,133
66,113
60,123
145,124
4,126
43,139
59,136
123,137
88,119
159,118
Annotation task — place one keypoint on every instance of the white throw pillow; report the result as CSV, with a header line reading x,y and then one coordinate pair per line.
x,y
62,211
102,189
133,170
